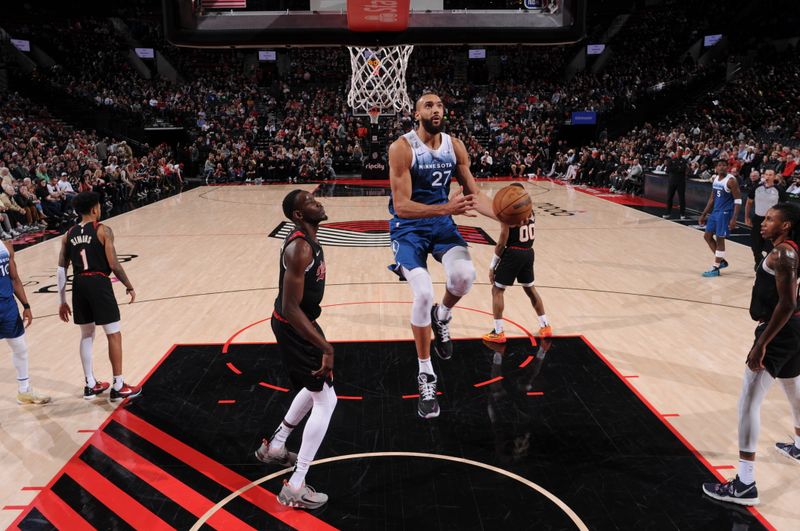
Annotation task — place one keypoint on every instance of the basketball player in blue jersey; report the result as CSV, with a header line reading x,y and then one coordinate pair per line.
x,y
421,165
11,326
724,204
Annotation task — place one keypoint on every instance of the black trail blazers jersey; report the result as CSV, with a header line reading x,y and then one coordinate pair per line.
x,y
314,283
85,251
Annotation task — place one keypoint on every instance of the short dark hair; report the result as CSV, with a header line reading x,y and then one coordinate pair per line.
x,y
424,93
790,212
289,203
84,202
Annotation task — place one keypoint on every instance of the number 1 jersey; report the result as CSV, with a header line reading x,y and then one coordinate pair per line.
x,y
85,251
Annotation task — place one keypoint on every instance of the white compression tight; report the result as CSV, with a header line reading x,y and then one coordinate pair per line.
x,y
324,402
754,389
87,341
791,386
19,355
422,287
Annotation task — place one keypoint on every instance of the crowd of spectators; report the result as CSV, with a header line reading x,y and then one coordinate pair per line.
x,y
251,122
44,162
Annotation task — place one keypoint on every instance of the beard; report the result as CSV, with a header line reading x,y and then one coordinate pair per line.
x,y
430,128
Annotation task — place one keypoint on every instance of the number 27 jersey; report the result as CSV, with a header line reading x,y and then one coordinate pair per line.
x,y
431,170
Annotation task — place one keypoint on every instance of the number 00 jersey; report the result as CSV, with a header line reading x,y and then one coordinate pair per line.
x,y
85,251
522,237
431,170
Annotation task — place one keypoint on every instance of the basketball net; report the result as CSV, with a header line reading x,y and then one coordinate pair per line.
x,y
378,80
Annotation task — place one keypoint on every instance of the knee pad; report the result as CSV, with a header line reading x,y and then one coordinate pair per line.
x,y
459,270
112,328
421,285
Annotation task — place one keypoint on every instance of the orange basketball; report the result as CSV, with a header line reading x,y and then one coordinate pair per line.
x,y
512,205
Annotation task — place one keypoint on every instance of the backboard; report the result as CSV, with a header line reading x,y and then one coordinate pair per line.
x,y
255,23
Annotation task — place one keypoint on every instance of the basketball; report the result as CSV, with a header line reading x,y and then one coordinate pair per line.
x,y
512,205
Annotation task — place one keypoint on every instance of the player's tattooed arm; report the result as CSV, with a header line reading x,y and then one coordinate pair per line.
x,y
113,261
784,261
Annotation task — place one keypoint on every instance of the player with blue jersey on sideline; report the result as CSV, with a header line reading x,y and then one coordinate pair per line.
x,y
11,326
724,204
422,164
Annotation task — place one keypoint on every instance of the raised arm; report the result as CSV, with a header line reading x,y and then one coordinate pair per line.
x,y
296,257
400,181
483,203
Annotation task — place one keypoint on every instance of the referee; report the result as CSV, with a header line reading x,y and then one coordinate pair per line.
x,y
760,199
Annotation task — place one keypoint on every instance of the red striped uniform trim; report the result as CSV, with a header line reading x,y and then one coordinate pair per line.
x,y
520,248
279,317
92,273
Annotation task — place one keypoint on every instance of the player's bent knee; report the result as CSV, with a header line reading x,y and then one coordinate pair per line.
x,y
420,281
460,280
112,328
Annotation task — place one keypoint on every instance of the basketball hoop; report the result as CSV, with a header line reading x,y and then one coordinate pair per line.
x,y
378,80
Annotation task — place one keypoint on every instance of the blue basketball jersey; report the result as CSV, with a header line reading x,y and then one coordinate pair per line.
x,y
431,170
723,198
6,288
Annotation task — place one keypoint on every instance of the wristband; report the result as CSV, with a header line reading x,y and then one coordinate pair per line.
x,y
26,306
737,201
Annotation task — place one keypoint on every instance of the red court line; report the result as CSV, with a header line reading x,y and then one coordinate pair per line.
x,y
226,401
665,415
226,477
417,395
725,467
151,371
131,511
526,362
32,488
631,376
230,339
275,387
535,393
87,431
58,513
166,484
487,382
346,397
15,507
671,428
232,367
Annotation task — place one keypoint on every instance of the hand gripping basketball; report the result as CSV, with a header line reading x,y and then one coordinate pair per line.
x,y
512,205
461,204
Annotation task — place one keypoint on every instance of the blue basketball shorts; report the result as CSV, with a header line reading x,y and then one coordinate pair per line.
x,y
718,223
414,239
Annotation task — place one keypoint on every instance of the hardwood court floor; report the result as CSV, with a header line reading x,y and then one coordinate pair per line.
x,y
204,268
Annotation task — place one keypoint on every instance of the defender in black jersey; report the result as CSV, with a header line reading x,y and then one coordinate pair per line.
x,y
513,261
307,355
89,246
775,353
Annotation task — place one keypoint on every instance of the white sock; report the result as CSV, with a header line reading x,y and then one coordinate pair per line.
x,y
498,326
118,381
314,432
797,441
87,340
543,320
19,355
425,366
747,471
443,313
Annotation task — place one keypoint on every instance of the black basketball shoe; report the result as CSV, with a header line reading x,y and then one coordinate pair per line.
x,y
441,335
428,406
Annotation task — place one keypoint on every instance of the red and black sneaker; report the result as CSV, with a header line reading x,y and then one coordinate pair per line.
x,y
91,392
126,391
